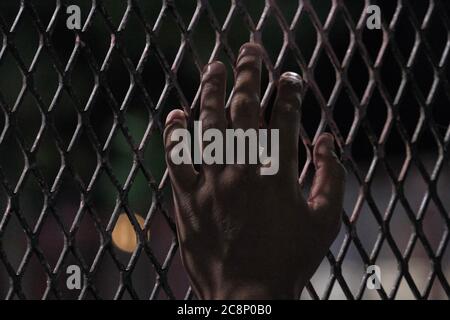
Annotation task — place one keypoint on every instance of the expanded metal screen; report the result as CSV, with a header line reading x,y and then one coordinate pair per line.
x,y
81,153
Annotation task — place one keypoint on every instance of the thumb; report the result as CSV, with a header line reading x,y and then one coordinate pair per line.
x,y
327,191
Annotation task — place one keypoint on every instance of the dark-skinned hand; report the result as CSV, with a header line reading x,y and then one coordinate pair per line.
x,y
244,235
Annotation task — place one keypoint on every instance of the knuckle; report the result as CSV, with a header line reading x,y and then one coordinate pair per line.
x,y
211,83
289,107
244,104
249,64
209,122
208,108
251,48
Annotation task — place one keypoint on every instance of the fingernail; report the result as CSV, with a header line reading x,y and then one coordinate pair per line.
x,y
325,143
213,67
292,77
250,48
175,114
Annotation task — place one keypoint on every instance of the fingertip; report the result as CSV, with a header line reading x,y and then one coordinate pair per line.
x,y
326,139
214,67
324,145
250,58
250,48
291,79
175,116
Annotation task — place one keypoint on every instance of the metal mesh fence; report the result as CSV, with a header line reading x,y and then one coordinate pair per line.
x,y
81,158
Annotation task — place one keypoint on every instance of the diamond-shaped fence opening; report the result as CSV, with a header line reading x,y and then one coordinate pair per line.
x,y
82,174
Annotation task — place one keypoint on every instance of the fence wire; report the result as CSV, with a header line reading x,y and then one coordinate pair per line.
x,y
60,126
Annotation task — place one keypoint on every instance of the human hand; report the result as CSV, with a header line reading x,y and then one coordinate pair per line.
x,y
244,235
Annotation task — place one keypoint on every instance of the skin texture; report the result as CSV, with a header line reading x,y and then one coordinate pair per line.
x,y
244,235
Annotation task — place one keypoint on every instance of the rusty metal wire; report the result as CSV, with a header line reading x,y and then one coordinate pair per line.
x,y
392,98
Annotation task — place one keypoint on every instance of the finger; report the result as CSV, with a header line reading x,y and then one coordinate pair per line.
x,y
212,111
286,118
212,114
245,103
178,156
327,192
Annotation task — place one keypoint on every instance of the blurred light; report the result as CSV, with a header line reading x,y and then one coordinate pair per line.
x,y
124,236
